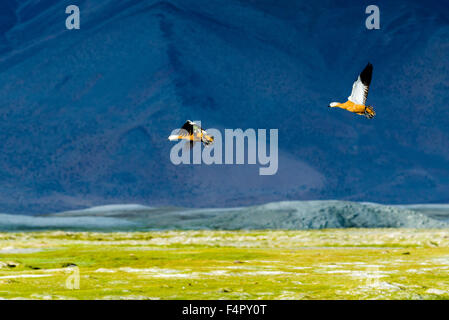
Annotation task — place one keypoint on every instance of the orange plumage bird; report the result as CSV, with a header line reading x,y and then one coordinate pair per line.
x,y
192,132
357,99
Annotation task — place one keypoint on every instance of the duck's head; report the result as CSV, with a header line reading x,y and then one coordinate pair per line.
x,y
208,140
369,112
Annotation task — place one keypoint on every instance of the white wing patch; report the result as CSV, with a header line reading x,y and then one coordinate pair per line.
x,y
359,92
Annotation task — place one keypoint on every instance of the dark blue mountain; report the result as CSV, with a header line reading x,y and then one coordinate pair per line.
x,y
85,114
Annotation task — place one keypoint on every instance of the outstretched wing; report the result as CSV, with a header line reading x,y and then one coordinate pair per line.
x,y
361,86
187,128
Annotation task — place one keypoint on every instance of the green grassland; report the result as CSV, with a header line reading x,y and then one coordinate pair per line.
x,y
316,264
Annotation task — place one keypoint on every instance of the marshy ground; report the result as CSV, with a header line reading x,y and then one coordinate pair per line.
x,y
316,264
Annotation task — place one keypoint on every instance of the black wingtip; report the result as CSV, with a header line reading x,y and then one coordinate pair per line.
x,y
366,74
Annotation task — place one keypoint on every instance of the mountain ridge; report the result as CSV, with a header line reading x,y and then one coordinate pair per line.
x,y
285,215
86,113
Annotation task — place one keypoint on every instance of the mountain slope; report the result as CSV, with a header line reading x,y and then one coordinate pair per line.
x,y
86,113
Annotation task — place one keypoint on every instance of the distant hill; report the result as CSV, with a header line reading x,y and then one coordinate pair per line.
x,y
435,211
295,215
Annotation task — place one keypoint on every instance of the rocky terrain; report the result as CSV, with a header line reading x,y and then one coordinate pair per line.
x,y
293,215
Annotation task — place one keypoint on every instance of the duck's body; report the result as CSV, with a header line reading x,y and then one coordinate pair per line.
x,y
352,107
192,132
357,99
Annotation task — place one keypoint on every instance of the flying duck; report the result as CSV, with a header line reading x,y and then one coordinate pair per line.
x,y
192,132
357,99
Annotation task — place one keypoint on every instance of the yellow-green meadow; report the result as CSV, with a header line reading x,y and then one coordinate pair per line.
x,y
313,264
